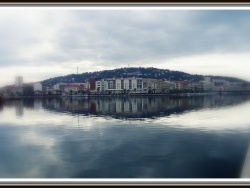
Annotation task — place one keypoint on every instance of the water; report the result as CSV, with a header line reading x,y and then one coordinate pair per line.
x,y
137,137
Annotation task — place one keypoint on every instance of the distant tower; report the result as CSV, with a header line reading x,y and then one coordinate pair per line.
x,y
19,81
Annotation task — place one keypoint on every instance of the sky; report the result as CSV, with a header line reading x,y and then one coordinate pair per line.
x,y
40,43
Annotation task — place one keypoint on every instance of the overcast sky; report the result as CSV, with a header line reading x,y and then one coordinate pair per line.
x,y
43,43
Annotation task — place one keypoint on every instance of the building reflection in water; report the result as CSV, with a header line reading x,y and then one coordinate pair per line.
x,y
139,107
38,104
126,107
19,108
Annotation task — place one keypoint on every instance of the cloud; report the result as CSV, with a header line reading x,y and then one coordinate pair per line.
x,y
114,38
136,36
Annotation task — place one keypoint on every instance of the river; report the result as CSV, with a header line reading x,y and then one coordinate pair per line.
x,y
125,137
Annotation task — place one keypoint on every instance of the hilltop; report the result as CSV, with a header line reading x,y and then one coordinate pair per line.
x,y
133,72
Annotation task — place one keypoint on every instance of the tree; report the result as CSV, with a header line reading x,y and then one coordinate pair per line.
x,y
175,91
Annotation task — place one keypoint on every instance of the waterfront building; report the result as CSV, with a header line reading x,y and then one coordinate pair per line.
x,y
183,85
38,88
92,83
48,90
28,89
85,86
139,86
197,86
103,85
134,85
126,84
111,86
118,83
131,85
59,88
25,89
145,85
12,90
208,85
165,86
98,84
151,85
220,84
71,89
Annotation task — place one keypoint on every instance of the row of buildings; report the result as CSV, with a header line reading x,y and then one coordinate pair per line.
x,y
123,85
20,88
150,85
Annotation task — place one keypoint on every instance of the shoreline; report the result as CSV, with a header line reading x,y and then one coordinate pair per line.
x,y
129,95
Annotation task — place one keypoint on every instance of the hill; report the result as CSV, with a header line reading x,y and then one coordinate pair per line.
x,y
133,72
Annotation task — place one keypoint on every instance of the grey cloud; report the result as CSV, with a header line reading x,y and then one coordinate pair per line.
x,y
15,35
122,36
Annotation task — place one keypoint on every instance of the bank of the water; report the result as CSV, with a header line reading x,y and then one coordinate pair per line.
x,y
129,95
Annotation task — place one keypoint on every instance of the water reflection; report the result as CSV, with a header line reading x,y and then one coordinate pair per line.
x,y
128,108
19,108
44,141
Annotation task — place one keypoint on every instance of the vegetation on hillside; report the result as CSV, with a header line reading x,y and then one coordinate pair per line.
x,y
139,72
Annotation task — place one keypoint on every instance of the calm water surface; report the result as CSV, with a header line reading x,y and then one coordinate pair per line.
x,y
137,137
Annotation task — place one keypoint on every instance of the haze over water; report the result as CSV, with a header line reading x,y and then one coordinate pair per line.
x,y
136,137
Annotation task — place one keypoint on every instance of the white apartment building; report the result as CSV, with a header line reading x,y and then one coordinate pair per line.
x,y
98,85
133,85
126,84
118,83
